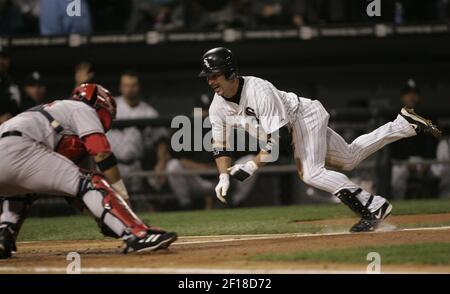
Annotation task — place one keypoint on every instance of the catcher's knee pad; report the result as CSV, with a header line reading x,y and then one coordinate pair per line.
x,y
112,212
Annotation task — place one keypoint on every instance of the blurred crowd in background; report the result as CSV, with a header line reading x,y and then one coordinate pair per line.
x,y
49,17
149,148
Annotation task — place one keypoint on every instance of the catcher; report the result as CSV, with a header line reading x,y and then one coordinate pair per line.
x,y
30,164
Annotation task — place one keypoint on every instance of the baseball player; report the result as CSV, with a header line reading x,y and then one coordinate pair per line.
x,y
244,100
30,164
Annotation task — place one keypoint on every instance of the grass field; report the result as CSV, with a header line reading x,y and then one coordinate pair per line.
x,y
425,253
261,220
289,239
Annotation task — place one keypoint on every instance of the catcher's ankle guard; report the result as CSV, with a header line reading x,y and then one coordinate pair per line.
x,y
112,204
350,199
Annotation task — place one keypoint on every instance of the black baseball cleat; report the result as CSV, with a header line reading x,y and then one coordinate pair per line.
x,y
420,124
370,223
7,243
154,240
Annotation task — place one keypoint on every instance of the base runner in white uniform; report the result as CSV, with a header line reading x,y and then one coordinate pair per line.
x,y
248,100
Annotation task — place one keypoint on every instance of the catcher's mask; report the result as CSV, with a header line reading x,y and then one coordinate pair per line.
x,y
100,99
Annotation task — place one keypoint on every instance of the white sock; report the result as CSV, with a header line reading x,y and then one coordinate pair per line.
x,y
377,201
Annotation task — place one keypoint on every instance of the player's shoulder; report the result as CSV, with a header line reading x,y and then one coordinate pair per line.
x,y
70,104
72,108
256,83
216,103
257,87
255,80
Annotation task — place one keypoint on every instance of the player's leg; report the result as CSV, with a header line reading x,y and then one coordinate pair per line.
x,y
346,156
14,210
310,136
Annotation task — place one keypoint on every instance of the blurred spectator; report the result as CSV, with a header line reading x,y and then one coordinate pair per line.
x,y
109,15
30,15
160,15
34,91
83,73
415,179
217,15
270,13
55,19
129,144
422,11
442,171
9,92
319,11
11,21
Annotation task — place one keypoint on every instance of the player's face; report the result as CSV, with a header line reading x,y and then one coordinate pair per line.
x,y
219,84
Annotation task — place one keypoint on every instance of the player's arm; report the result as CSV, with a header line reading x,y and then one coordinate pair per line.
x,y
98,147
222,158
270,120
244,171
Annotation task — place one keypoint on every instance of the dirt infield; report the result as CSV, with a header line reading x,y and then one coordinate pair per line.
x,y
225,254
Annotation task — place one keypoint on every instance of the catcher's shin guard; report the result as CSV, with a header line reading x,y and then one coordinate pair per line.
x,y
110,209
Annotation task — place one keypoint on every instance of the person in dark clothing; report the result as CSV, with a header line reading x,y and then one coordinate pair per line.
x,y
34,91
414,180
9,96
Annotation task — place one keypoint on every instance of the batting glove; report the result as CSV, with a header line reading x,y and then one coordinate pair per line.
x,y
242,172
222,187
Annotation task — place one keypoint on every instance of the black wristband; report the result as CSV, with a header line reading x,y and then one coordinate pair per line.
x,y
220,153
241,175
107,163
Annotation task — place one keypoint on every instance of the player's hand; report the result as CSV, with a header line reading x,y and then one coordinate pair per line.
x,y
242,172
222,187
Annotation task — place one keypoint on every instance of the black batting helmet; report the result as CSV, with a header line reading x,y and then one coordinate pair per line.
x,y
219,60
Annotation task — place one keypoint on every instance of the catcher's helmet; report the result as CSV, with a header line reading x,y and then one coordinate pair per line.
x,y
100,99
219,60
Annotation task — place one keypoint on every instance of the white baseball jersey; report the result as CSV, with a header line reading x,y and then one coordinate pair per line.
x,y
127,144
316,145
76,118
259,101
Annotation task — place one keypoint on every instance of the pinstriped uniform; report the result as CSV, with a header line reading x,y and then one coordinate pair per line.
x,y
316,145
